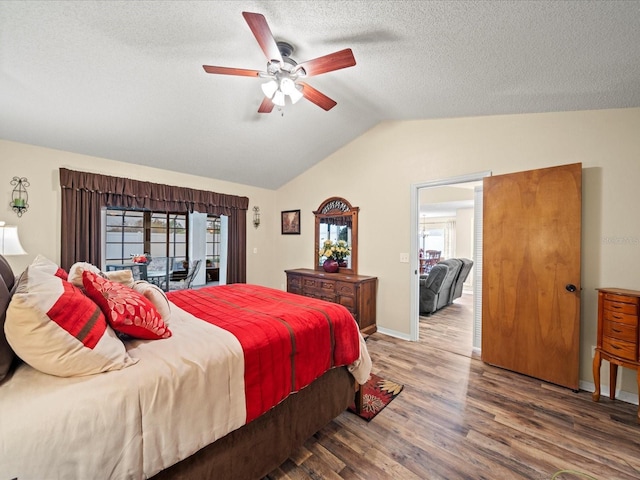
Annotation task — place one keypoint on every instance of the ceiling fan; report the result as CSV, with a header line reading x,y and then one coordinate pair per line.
x,y
284,76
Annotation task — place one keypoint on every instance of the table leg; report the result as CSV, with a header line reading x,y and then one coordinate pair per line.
x,y
638,376
597,361
613,379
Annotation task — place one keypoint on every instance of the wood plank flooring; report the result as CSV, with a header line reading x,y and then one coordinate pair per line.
x,y
458,418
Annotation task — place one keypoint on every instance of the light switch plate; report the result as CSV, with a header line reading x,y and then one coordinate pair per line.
x,y
404,258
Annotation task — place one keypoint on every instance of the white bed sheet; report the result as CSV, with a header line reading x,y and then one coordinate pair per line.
x,y
120,424
184,393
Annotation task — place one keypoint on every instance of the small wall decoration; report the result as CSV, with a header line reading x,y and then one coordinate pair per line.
x,y
290,221
19,195
256,216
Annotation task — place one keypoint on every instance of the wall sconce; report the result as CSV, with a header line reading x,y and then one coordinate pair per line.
x,y
256,216
19,195
9,241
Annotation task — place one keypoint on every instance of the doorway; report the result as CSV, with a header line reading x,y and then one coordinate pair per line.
x,y
418,238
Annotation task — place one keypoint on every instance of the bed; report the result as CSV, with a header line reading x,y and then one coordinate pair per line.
x,y
239,377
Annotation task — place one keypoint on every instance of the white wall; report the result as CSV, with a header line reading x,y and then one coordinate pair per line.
x,y
378,169
464,239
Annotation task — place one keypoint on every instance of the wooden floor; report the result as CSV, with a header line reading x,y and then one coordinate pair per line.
x,y
458,418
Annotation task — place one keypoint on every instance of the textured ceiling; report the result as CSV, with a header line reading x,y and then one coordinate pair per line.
x,y
123,79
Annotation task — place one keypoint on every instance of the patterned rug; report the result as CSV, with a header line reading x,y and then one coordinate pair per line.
x,y
377,393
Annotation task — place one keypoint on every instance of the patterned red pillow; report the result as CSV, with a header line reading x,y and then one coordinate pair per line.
x,y
127,311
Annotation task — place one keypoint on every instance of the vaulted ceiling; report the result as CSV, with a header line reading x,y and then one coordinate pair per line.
x,y
124,80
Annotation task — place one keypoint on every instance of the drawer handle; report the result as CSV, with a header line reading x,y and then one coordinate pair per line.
x,y
616,330
616,306
615,347
616,316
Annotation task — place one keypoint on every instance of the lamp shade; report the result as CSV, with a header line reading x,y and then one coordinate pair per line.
x,y
9,241
269,88
278,99
295,95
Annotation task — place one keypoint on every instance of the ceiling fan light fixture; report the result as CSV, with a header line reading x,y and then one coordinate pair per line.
x,y
269,88
278,98
287,86
295,95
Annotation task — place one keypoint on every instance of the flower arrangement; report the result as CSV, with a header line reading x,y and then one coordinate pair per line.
x,y
335,250
140,257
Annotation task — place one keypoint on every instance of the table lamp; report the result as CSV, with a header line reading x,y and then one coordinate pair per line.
x,y
9,241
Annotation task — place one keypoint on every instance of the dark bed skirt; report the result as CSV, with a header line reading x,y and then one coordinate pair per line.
x,y
261,446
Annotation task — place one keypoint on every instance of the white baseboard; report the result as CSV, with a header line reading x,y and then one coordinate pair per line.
x,y
621,395
393,333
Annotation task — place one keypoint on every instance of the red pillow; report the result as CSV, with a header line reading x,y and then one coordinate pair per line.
x,y
127,311
62,274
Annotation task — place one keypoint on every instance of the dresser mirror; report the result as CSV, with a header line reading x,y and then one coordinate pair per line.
x,y
337,220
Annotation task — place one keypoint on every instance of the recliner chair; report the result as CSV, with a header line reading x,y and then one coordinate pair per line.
x,y
430,286
445,297
462,277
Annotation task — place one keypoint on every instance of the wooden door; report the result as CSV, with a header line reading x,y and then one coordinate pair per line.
x,y
531,264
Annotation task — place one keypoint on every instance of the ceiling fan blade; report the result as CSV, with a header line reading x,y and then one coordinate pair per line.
x,y
231,71
262,32
317,97
266,106
328,63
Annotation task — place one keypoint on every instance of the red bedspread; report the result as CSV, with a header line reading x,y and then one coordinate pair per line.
x,y
288,340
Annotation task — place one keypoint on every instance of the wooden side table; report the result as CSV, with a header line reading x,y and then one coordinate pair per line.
x,y
618,340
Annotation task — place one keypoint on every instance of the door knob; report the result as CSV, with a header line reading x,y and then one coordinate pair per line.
x,y
570,287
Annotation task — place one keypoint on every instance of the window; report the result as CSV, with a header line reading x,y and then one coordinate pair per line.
x,y
438,234
129,232
213,242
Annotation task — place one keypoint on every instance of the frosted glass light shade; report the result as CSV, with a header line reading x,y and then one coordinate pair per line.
x,y
269,88
295,95
287,86
9,241
278,99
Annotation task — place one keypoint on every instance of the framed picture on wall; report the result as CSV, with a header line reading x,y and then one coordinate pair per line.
x,y
290,222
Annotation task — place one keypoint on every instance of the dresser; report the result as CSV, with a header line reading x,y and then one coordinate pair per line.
x,y
618,329
356,292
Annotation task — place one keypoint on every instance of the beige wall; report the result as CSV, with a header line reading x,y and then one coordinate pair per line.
x,y
376,172
39,227
464,233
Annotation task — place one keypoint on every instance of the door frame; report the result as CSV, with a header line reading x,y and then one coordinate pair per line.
x,y
414,227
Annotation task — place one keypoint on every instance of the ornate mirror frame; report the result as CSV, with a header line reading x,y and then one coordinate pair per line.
x,y
338,211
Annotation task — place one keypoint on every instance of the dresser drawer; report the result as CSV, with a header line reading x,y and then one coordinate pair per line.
x,y
343,288
318,284
620,303
348,302
620,331
619,348
620,317
294,282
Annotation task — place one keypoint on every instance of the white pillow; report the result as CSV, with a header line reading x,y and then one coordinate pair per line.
x,y
156,296
58,330
75,272
43,263
125,277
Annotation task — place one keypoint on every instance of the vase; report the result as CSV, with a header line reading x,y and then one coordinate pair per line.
x,y
330,265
